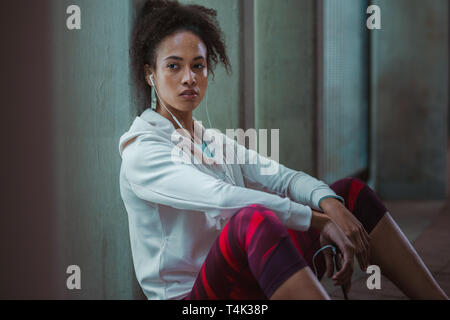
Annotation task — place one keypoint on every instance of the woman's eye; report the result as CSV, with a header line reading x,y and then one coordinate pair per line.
x,y
174,66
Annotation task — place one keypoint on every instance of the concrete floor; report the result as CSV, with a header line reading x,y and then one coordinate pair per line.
x,y
427,225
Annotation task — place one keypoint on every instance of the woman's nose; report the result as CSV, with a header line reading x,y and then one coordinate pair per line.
x,y
189,76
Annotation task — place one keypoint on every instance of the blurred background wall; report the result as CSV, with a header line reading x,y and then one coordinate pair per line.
x,y
348,102
27,215
410,99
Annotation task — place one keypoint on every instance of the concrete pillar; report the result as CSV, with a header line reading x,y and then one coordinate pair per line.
x,y
91,111
410,99
285,77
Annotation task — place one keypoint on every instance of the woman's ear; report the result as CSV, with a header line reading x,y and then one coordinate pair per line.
x,y
147,73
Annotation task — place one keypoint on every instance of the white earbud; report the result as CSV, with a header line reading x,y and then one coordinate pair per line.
x,y
151,80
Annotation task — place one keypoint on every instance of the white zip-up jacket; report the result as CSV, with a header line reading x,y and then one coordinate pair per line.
x,y
176,209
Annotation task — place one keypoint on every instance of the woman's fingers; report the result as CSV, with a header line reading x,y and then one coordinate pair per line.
x,y
329,262
367,244
361,244
346,276
366,235
334,234
365,241
361,254
361,260
345,272
347,286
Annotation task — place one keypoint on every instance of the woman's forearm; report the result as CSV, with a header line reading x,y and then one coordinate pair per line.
x,y
330,204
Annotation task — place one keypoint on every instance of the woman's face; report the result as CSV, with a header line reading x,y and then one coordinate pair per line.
x,y
180,65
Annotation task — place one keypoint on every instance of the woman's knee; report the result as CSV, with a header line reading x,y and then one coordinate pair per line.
x,y
256,218
247,213
256,212
361,200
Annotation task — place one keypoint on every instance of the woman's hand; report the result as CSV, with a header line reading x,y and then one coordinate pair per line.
x,y
331,233
352,228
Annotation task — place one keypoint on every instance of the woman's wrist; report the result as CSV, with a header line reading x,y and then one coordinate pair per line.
x,y
319,220
331,206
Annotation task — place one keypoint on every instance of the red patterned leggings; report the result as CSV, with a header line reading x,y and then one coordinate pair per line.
x,y
255,253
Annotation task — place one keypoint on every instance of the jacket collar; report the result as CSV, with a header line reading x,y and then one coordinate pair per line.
x,y
154,118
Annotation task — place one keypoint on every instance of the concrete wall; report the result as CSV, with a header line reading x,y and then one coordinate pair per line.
x,y
410,99
343,104
92,110
285,77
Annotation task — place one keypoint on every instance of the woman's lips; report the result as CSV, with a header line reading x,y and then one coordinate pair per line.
x,y
189,96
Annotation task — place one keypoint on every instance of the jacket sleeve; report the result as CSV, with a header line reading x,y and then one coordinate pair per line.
x,y
154,176
264,173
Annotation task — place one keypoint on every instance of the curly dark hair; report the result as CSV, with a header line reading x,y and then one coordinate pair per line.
x,y
158,19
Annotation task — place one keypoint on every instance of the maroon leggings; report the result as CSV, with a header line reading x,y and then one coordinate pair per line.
x,y
255,253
